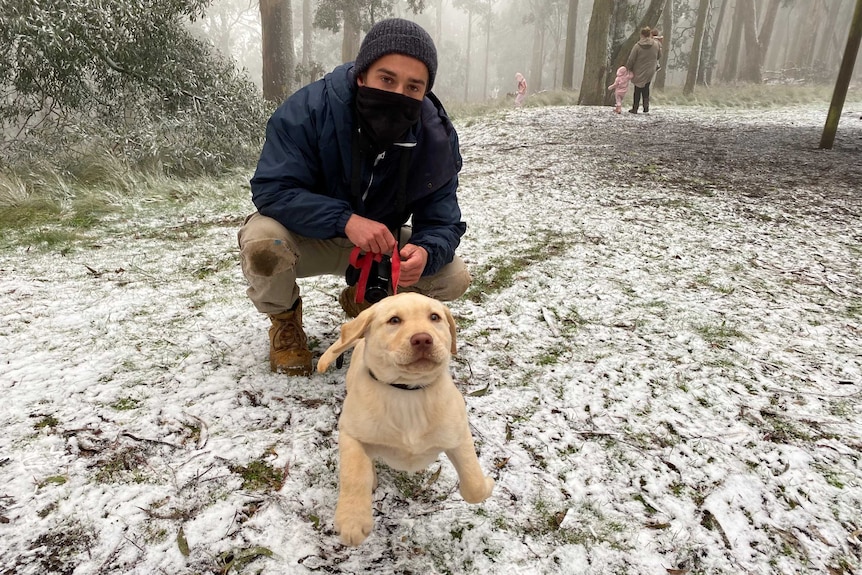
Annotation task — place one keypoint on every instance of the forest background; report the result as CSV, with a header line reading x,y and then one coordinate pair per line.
x,y
174,86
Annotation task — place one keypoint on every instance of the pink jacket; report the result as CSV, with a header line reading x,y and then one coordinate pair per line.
x,y
621,84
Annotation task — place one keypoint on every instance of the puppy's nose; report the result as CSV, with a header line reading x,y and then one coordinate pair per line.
x,y
421,340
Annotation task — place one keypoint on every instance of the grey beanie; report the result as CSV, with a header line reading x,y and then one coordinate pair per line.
x,y
398,36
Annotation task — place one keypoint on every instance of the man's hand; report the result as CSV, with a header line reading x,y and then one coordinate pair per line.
x,y
370,236
413,260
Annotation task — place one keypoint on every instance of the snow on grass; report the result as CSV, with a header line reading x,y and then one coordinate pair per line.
x,y
660,356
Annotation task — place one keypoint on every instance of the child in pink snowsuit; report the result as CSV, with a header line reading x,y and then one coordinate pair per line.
x,y
522,89
621,86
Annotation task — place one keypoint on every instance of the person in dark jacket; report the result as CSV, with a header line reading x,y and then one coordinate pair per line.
x,y
642,61
347,161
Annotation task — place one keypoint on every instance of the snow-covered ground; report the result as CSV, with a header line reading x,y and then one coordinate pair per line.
x,y
662,362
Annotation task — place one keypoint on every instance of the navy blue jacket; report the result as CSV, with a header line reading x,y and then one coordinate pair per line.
x,y
303,177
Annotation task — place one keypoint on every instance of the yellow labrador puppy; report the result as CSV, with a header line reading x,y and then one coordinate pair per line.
x,y
402,406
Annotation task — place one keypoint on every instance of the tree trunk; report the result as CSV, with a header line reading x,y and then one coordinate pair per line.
x,y
350,40
667,33
697,42
569,56
307,37
789,38
711,61
764,38
276,25
806,31
854,38
438,29
487,53
829,31
734,44
537,63
593,86
751,59
467,70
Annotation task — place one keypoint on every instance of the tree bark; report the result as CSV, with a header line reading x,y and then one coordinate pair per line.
x,y
806,30
854,38
537,63
307,41
438,29
697,42
350,39
487,54
829,31
593,86
667,33
711,61
751,59
734,44
764,38
277,49
469,41
569,55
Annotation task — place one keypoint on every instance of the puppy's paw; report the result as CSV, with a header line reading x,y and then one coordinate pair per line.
x,y
477,493
352,526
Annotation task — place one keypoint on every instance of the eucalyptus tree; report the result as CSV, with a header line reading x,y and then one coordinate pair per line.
x,y
122,76
352,16
279,59
697,43
569,51
474,9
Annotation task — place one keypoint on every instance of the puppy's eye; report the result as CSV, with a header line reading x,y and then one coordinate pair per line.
x,y
394,320
435,317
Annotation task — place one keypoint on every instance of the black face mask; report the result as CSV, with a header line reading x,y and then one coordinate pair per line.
x,y
385,116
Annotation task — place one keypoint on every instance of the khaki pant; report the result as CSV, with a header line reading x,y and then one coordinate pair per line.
x,y
273,257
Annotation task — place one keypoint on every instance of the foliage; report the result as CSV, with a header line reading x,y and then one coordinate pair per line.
x,y
330,13
84,76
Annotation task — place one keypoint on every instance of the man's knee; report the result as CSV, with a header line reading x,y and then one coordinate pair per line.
x,y
449,283
266,247
266,257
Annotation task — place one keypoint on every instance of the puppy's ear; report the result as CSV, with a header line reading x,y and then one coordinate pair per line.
x,y
350,333
451,321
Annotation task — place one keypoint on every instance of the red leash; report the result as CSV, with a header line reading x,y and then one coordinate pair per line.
x,y
363,261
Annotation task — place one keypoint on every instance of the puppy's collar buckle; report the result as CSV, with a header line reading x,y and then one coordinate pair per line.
x,y
404,386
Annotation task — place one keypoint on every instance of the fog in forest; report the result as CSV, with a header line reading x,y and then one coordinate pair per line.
x,y
482,44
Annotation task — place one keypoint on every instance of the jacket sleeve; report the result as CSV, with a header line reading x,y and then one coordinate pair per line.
x,y
630,63
289,184
437,226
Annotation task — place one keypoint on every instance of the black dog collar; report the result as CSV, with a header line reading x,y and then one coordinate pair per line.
x,y
403,386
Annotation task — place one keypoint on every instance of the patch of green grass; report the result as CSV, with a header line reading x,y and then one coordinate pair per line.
x,y
832,476
125,404
591,529
53,238
719,335
414,485
51,480
124,465
259,475
500,272
784,430
556,354
46,421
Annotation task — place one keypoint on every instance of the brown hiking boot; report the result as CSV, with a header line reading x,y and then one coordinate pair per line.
x,y
347,299
288,345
